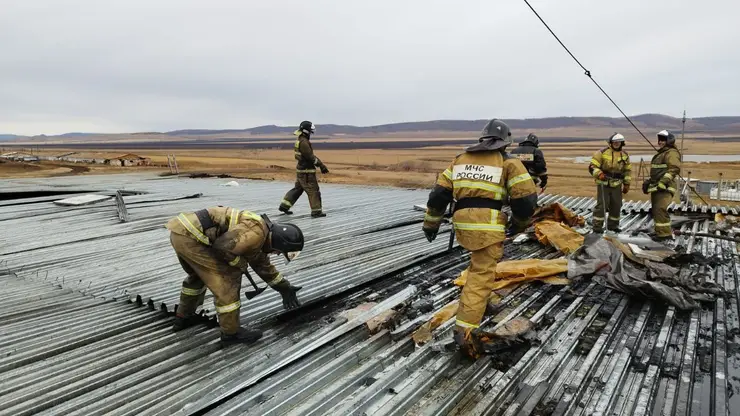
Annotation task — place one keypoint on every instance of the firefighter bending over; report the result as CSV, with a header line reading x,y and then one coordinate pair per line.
x,y
305,173
214,247
480,180
612,172
533,160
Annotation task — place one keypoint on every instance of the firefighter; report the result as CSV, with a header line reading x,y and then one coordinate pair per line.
x,y
533,160
214,247
480,180
664,171
612,172
305,173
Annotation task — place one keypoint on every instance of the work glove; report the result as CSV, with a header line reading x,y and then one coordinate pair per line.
x,y
466,340
625,188
430,233
324,169
602,176
543,181
288,292
645,186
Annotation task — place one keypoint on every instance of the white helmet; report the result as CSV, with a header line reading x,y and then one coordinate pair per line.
x,y
616,137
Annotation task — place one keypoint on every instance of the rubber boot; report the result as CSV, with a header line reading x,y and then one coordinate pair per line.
x,y
242,336
318,214
182,322
285,210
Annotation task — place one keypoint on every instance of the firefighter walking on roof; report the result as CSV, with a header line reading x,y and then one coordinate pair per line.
x,y
214,247
533,159
664,172
480,180
612,172
306,166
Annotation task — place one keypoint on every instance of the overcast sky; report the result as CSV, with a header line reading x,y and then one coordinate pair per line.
x,y
157,65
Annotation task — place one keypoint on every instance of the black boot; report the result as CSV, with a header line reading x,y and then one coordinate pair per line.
x,y
318,214
285,210
242,336
182,322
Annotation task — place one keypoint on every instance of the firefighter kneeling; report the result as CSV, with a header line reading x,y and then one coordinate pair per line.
x,y
215,246
479,180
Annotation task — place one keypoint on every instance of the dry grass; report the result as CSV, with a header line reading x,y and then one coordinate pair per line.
x,y
410,168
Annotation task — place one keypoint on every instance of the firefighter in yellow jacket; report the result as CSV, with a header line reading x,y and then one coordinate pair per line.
x,y
305,173
214,247
612,172
480,180
664,172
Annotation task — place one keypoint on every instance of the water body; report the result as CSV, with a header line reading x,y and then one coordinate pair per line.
x,y
686,158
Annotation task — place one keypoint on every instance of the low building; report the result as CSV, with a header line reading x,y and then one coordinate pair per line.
x,y
129,159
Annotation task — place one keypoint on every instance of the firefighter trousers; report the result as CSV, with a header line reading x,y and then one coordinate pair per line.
x,y
304,182
659,201
205,271
609,206
481,278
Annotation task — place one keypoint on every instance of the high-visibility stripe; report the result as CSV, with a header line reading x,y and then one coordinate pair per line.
x,y
447,174
614,218
672,190
464,324
659,166
486,186
668,176
194,231
276,280
231,307
432,218
192,292
477,226
305,170
518,179
661,185
234,262
234,218
595,163
662,224
287,203
652,189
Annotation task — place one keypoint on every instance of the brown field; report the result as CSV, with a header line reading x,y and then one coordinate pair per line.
x,y
412,168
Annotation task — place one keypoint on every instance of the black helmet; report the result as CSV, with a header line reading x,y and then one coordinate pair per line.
x,y
532,138
668,137
496,129
307,127
287,239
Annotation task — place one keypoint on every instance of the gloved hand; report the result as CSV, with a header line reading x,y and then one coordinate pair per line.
x,y
288,292
543,181
430,233
625,188
324,169
602,176
645,186
466,340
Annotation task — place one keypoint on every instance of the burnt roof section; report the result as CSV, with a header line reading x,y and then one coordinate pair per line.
x,y
78,337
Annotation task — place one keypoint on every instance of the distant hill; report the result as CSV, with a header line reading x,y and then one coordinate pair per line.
x,y
711,125
644,120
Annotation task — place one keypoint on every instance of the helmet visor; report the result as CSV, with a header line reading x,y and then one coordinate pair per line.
x,y
291,255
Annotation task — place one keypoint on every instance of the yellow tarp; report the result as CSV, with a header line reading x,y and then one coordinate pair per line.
x,y
519,271
424,333
558,235
558,213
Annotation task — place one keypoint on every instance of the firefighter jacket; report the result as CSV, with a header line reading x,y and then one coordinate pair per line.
x,y
481,181
239,238
532,158
615,165
664,170
307,161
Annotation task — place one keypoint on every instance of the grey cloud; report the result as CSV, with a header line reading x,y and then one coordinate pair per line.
x,y
139,65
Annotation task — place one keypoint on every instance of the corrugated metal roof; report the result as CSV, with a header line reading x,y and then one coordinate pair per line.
x,y
72,344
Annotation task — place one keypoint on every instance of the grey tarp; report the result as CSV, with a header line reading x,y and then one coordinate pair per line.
x,y
657,281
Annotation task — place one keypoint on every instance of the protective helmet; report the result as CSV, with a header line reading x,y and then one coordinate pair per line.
x,y
666,136
532,138
496,129
287,239
616,137
307,127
